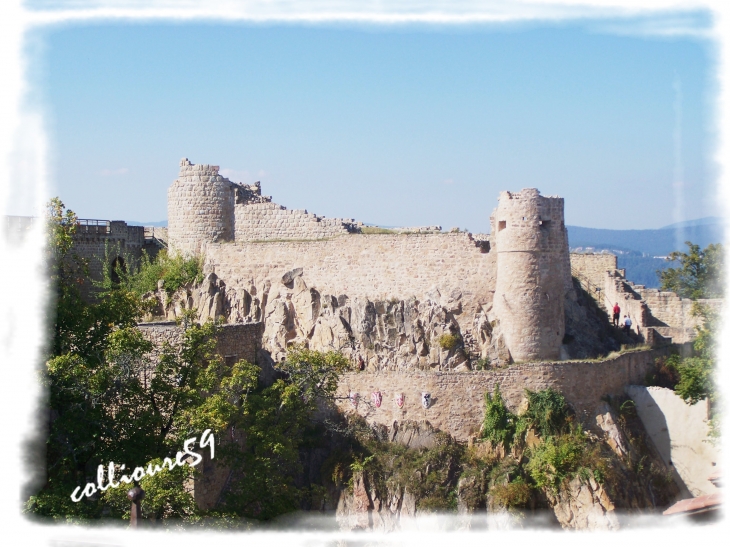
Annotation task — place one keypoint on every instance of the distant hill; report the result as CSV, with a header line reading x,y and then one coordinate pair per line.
x,y
651,242
641,251
697,222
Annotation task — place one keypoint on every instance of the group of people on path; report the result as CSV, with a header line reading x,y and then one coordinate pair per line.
x,y
625,324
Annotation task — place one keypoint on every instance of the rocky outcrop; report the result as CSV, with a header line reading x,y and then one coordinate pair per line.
x,y
381,334
364,508
584,505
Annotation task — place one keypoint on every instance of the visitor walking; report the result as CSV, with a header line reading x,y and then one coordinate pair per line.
x,y
616,314
627,324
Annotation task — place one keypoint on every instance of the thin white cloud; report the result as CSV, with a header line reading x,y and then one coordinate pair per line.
x,y
236,175
448,181
691,25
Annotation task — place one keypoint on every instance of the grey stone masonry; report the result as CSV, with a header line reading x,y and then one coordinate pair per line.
x,y
533,273
267,221
106,243
199,208
204,207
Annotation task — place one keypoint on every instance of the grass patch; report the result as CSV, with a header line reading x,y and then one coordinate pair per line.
x,y
376,230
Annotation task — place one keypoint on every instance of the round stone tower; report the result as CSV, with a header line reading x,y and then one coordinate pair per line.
x,y
200,208
533,264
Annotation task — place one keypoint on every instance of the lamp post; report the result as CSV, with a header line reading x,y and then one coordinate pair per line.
x,y
135,495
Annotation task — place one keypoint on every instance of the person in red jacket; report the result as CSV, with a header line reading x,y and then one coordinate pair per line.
x,y
616,314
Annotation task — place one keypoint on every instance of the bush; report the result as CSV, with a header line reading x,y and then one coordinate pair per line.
x,y
555,461
512,494
449,341
563,457
175,272
547,412
499,423
665,373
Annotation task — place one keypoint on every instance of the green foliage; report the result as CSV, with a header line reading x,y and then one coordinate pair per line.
x,y
700,274
512,494
313,373
449,341
376,230
499,423
112,399
61,227
176,272
547,412
696,373
556,460
164,497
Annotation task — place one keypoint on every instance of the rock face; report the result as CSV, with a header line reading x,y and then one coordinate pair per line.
x,y
382,334
584,505
364,509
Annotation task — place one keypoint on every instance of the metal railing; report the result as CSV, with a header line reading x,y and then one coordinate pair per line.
x,y
92,226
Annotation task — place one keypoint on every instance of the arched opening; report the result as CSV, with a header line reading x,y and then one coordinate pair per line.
x,y
118,266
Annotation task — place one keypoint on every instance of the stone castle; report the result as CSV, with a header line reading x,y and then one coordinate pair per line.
x,y
515,280
417,311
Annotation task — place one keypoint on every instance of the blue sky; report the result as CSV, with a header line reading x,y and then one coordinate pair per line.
x,y
394,125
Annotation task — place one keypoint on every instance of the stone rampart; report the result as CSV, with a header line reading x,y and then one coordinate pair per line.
x,y
379,266
457,398
103,243
590,269
233,342
266,221
199,208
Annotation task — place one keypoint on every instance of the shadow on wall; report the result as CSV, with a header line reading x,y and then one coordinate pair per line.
x,y
678,431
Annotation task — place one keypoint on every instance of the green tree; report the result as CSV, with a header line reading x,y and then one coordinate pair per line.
x,y
696,373
112,398
700,274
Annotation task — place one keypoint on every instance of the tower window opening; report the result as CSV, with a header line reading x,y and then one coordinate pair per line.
x,y
502,225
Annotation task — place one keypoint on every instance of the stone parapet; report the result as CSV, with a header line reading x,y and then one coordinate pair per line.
x,y
379,266
457,398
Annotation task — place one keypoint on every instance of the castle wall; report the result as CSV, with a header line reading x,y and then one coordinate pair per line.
x,y
101,242
379,266
590,269
458,397
263,221
233,342
533,273
670,315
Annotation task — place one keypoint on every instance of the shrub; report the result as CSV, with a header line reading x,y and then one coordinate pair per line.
x,y
174,271
547,412
555,461
512,494
376,230
561,458
449,341
665,374
499,423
